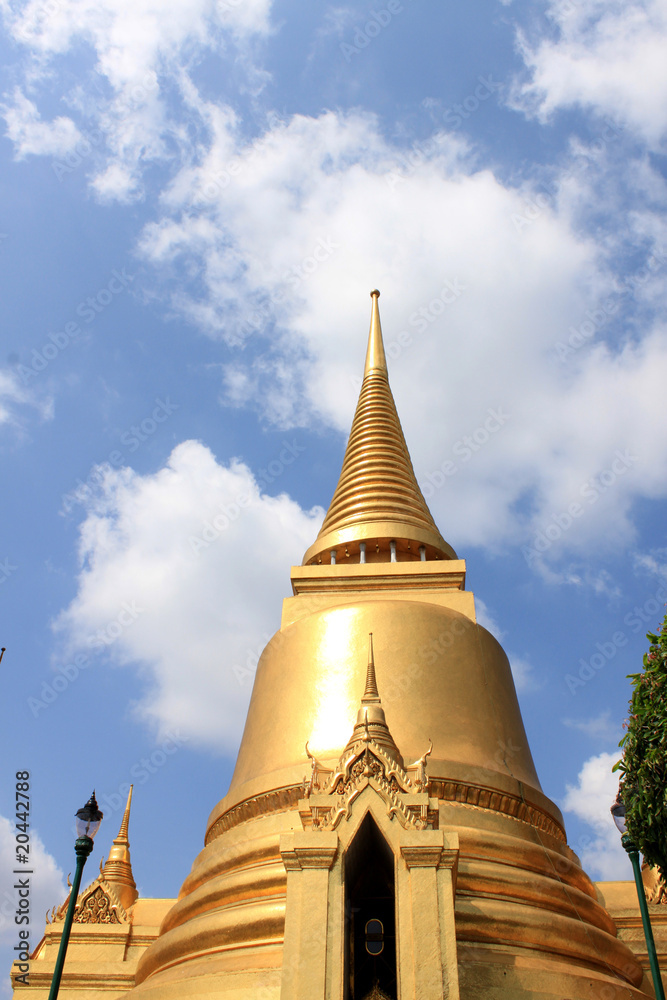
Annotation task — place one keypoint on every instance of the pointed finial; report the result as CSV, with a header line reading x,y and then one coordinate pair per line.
x,y
371,692
118,867
375,357
371,724
125,825
377,500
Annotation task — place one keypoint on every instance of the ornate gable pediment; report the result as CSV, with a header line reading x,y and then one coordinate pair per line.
x,y
330,794
98,904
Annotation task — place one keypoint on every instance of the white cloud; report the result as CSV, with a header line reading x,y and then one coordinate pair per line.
x,y
608,56
31,135
523,674
131,39
47,884
600,728
486,619
481,283
14,395
654,563
183,572
142,64
590,800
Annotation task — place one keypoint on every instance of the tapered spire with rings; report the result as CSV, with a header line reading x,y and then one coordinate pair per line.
x,y
378,512
118,867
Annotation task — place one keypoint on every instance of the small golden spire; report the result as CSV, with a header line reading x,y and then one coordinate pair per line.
x,y
371,721
375,356
377,500
371,692
118,867
125,825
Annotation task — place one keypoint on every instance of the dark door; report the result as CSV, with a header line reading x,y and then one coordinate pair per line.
x,y
371,906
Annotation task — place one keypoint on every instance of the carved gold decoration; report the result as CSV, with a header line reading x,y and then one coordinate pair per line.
x,y
500,802
467,793
654,885
370,758
258,805
97,908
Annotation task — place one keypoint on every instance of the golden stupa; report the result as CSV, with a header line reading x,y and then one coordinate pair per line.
x,y
385,833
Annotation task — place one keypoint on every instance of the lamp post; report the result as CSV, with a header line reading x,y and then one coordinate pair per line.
x,y
618,812
88,822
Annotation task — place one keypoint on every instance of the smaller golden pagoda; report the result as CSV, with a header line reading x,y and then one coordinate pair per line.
x,y
111,930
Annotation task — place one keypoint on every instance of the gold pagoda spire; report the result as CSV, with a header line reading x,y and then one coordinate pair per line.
x,y
371,721
378,512
118,867
371,693
375,356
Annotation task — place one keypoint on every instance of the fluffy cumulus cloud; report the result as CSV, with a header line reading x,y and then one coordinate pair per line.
x,y
512,330
590,799
509,336
47,883
140,56
183,573
606,56
31,135
129,38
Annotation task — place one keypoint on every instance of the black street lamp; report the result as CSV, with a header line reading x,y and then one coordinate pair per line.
x,y
88,822
618,812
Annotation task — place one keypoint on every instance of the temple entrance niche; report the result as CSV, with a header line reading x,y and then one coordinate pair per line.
x,y
370,904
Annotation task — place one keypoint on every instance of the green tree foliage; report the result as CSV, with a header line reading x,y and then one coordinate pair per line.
x,y
644,764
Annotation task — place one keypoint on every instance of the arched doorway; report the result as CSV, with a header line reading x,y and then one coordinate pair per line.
x,y
370,907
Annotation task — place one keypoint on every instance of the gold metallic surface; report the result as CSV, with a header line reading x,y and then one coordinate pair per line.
x,y
118,868
490,900
429,661
525,913
377,499
375,356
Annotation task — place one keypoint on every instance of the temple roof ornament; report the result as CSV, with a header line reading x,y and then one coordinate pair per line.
x,y
118,868
377,507
371,721
371,757
107,899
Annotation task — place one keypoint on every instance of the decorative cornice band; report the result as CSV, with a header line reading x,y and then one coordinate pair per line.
x,y
282,799
278,800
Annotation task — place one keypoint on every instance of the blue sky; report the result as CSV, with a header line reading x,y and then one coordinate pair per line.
x,y
197,198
